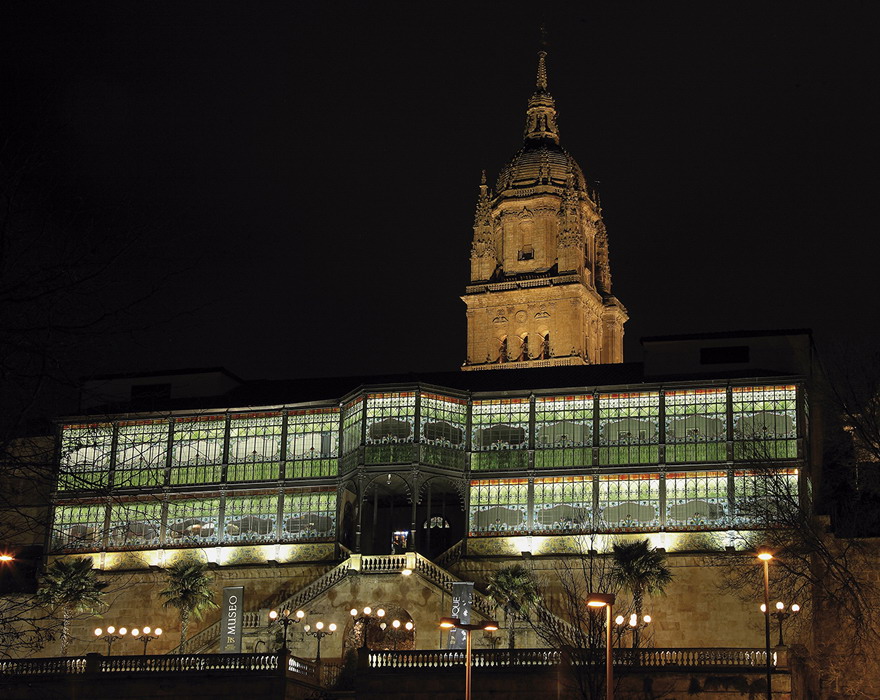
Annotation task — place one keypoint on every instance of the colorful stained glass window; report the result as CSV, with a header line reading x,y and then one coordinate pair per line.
x,y
563,431
250,519
629,428
192,521
254,447
764,422
312,443
85,456
696,425
697,500
390,427
79,527
352,424
563,504
197,450
499,506
500,434
309,515
762,497
135,524
629,502
141,452
443,430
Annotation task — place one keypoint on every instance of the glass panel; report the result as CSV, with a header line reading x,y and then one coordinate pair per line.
x,y
499,505
696,425
564,504
629,428
764,422
192,521
629,502
85,456
309,515
312,443
250,518
79,527
443,430
760,497
500,431
563,431
135,524
197,452
390,427
697,500
352,416
141,451
254,447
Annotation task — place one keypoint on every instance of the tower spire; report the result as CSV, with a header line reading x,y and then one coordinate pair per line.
x,y
541,83
541,112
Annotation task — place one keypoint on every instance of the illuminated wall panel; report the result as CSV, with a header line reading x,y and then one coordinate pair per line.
x,y
141,453
765,423
192,521
629,502
85,456
135,524
78,527
197,450
629,428
312,443
563,505
499,505
443,430
696,425
390,427
697,500
254,447
500,434
563,431
352,424
251,518
761,496
309,515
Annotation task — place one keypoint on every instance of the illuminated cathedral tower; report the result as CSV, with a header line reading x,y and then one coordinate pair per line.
x,y
540,288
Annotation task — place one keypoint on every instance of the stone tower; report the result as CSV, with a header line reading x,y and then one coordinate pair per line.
x,y
540,288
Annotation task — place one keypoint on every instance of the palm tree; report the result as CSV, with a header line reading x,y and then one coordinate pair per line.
x,y
73,586
189,590
515,590
641,569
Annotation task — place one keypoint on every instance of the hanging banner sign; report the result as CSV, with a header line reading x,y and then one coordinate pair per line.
x,y
462,600
233,609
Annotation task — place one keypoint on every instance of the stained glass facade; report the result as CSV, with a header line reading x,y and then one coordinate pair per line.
x,y
765,422
78,527
443,430
141,454
629,502
629,428
390,427
193,521
758,495
197,450
563,504
500,434
86,452
312,443
697,500
563,431
352,424
135,524
309,515
251,519
499,506
254,447
696,425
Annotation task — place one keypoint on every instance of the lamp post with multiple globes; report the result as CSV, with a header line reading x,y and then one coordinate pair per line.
x,y
146,635
285,619
319,632
362,618
765,558
395,631
633,624
111,636
781,614
454,622
606,600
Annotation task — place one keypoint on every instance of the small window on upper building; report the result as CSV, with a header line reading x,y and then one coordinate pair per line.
x,y
527,253
722,356
151,392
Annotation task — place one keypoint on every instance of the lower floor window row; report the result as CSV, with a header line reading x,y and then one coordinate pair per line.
x,y
710,500
290,517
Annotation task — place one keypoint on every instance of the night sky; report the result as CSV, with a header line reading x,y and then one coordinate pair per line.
x,y
296,181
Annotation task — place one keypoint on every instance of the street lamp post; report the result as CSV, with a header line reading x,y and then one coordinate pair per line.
x,y
319,633
454,622
286,621
765,557
396,632
606,600
633,625
361,619
111,636
782,614
145,635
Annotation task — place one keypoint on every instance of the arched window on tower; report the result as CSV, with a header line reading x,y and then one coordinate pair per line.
x,y
545,346
502,350
524,348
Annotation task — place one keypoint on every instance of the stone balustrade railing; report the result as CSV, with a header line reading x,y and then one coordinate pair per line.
x,y
39,667
171,663
641,658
